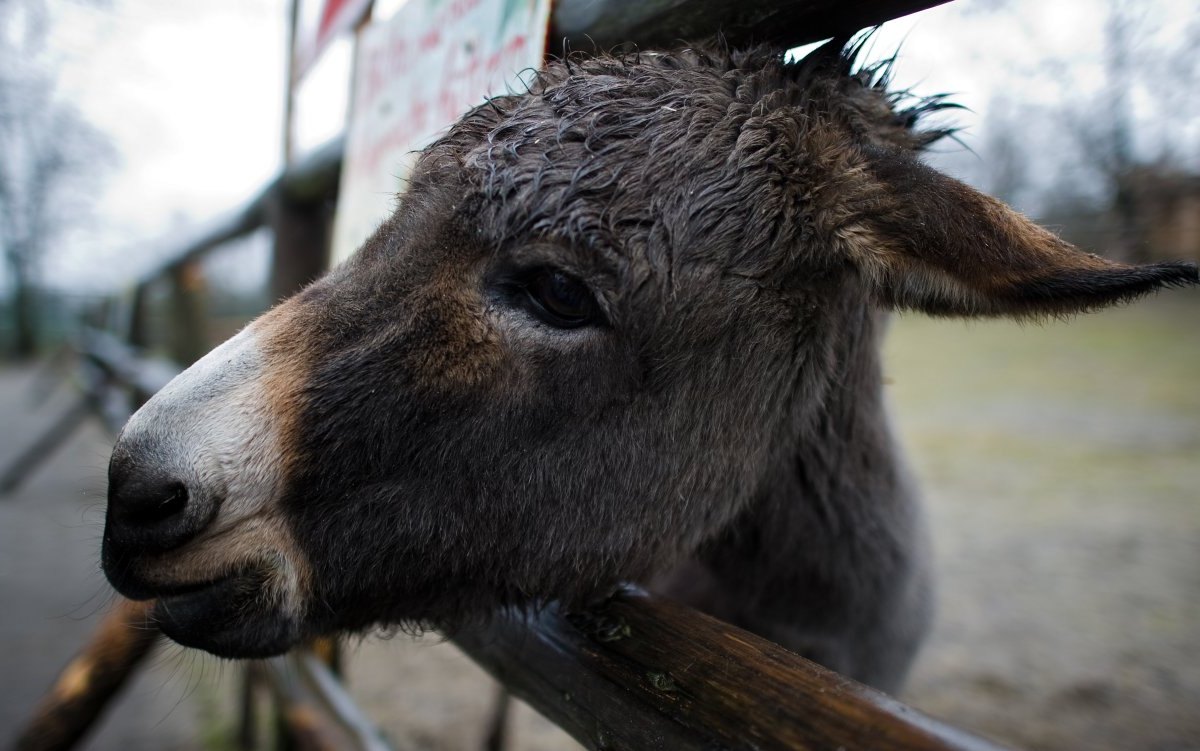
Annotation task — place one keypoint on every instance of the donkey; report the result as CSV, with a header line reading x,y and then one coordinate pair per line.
x,y
622,327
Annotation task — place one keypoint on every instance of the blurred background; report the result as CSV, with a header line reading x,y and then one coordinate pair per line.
x,y
1061,462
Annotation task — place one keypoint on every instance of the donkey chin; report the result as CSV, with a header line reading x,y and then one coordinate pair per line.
x,y
193,527
248,611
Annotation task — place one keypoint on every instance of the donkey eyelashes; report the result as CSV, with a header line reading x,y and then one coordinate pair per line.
x,y
555,298
561,300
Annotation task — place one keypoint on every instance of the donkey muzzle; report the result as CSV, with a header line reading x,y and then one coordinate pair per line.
x,y
193,515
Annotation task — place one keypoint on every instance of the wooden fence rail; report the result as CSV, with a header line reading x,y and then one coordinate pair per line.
x,y
636,672
604,24
644,672
84,688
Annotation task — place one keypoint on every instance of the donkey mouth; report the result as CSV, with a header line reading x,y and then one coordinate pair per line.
x,y
230,617
250,611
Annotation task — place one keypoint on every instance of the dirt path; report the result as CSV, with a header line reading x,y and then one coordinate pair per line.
x,y
1062,469
52,592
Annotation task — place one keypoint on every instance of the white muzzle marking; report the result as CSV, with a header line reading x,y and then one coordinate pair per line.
x,y
213,429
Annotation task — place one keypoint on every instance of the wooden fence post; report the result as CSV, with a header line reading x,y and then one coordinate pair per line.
x,y
188,340
303,229
85,687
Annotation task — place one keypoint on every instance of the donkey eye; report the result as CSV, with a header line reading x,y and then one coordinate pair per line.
x,y
560,300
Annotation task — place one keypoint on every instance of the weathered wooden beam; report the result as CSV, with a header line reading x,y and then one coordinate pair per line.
x,y
187,341
317,712
604,24
89,682
307,725
310,179
126,365
636,672
106,366
45,444
328,688
238,223
300,254
644,672
315,177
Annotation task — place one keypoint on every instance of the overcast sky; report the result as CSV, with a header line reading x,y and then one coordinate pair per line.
x,y
191,95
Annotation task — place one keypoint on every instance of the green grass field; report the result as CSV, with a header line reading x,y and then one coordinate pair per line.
x,y
1061,463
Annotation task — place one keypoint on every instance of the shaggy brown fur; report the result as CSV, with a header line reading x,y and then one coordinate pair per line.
x,y
734,227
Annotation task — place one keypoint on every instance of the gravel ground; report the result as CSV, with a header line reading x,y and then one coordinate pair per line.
x,y
1060,465
52,592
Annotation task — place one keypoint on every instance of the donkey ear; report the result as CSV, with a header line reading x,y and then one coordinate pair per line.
x,y
931,243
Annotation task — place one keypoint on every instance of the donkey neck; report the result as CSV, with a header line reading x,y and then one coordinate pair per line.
x,y
834,507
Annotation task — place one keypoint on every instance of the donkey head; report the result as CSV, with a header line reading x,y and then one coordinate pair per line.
x,y
602,314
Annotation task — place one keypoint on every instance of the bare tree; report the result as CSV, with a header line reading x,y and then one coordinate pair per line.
x,y
49,157
1103,142
1110,139
1117,142
1003,152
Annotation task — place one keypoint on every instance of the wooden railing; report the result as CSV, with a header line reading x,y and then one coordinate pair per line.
x,y
644,672
636,672
604,24
639,671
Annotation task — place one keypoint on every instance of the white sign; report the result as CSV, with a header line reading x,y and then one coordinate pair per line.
x,y
415,75
337,17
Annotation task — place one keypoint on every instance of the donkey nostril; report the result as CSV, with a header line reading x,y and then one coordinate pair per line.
x,y
152,508
149,513
156,504
145,501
